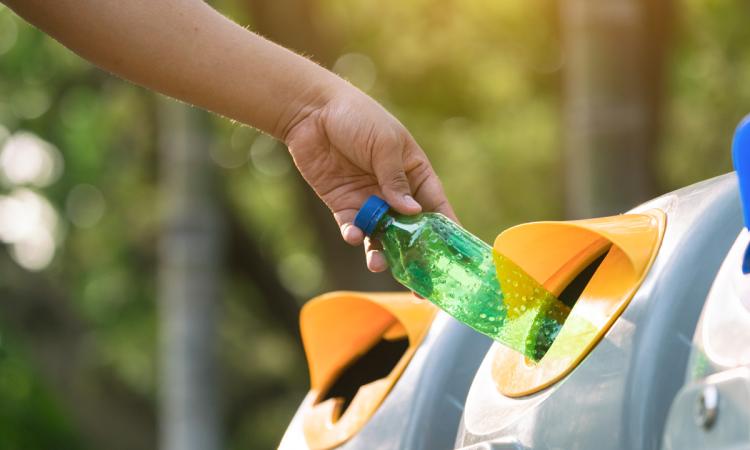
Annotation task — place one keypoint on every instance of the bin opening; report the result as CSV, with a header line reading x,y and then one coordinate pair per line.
x,y
357,346
377,363
573,291
594,267
569,296
566,286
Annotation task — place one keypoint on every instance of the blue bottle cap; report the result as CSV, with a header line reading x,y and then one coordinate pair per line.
x,y
370,213
741,159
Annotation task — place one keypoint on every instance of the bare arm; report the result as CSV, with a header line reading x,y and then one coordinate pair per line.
x,y
343,142
187,50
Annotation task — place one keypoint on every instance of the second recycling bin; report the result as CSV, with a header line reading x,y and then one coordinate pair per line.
x,y
618,393
388,371
712,410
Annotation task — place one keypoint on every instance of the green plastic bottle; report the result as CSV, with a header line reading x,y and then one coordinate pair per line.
x,y
442,262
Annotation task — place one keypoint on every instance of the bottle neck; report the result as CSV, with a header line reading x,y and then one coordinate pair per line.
x,y
382,224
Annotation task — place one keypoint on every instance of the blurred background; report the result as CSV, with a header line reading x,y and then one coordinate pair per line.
x,y
155,257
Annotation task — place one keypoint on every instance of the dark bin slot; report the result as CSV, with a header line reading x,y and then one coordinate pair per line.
x,y
573,291
569,296
375,364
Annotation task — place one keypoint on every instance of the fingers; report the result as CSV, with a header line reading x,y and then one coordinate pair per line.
x,y
429,191
376,261
374,256
351,234
388,165
430,195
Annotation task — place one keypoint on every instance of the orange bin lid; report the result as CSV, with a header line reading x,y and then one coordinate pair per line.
x,y
338,328
555,253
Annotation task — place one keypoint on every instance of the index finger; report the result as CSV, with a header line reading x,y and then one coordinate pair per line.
x,y
430,195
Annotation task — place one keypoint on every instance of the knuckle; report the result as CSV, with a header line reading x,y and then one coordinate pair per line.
x,y
387,140
397,180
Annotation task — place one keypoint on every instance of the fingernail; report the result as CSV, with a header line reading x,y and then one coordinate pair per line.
x,y
411,202
376,261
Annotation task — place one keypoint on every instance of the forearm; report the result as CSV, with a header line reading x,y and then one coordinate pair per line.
x,y
187,50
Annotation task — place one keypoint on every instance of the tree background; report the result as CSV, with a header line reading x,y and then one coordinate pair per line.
x,y
524,107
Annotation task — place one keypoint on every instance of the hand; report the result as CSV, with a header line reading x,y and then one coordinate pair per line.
x,y
345,144
350,148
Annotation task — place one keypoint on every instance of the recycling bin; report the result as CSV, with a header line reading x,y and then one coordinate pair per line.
x,y
387,371
610,376
712,410
636,282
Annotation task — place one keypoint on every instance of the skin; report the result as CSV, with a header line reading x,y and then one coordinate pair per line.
x,y
345,145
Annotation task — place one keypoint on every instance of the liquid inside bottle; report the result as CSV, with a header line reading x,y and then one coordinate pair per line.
x,y
437,259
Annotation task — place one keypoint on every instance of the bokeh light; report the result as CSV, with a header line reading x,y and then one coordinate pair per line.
x,y
85,205
30,103
235,151
227,156
26,159
268,157
29,224
301,273
8,31
35,254
358,69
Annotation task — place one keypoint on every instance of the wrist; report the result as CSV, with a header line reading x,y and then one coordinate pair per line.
x,y
313,98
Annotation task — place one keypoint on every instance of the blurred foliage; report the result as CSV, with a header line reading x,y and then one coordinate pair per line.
x,y
477,83
30,418
707,90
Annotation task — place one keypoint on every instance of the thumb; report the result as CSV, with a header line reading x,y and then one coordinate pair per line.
x,y
394,184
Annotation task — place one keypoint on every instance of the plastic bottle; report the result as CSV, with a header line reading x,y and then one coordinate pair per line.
x,y
442,262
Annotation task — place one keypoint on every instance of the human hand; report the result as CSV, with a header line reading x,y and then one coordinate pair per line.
x,y
345,144
350,148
